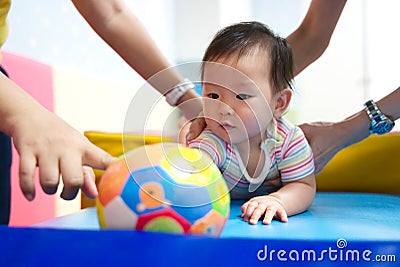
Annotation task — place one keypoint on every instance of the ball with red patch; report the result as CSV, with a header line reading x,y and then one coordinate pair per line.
x,y
164,187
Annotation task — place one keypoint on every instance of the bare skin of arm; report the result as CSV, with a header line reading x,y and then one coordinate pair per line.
x,y
327,139
44,140
312,37
308,43
113,21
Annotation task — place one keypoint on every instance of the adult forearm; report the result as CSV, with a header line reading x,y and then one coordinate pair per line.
x,y
356,128
114,22
390,104
312,37
15,104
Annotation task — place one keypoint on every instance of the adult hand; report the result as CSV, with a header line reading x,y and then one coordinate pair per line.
x,y
324,141
191,129
44,140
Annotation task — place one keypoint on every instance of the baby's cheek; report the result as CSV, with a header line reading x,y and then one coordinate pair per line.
x,y
256,124
251,123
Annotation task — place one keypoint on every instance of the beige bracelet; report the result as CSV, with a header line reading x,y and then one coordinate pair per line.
x,y
173,96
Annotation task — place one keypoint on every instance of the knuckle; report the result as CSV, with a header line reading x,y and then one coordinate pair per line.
x,y
23,173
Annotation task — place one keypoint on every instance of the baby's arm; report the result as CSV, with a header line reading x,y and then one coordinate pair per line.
x,y
293,198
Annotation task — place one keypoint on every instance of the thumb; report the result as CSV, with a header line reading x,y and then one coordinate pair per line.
x,y
89,183
197,125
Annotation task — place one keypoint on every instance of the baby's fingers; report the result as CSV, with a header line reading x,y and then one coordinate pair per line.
x,y
269,215
272,213
282,215
248,210
257,213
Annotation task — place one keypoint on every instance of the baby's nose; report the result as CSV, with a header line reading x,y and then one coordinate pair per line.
x,y
225,110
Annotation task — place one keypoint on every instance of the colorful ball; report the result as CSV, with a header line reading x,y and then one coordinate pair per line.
x,y
164,187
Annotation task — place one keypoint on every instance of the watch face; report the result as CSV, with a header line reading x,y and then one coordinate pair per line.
x,y
383,127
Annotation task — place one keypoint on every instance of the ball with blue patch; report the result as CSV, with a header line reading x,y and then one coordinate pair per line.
x,y
164,187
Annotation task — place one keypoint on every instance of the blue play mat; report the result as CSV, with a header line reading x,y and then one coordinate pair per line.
x,y
340,229
352,216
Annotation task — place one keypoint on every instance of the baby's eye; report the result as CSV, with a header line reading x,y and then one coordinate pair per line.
x,y
213,95
242,96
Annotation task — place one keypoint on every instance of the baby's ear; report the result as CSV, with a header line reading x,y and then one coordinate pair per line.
x,y
282,102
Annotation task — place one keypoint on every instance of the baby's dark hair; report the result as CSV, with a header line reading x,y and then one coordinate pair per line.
x,y
244,38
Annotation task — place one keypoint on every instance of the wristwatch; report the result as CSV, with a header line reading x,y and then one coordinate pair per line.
x,y
178,91
380,123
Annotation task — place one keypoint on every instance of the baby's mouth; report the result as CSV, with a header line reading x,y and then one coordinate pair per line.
x,y
227,126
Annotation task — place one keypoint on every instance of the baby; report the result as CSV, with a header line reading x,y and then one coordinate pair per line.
x,y
265,160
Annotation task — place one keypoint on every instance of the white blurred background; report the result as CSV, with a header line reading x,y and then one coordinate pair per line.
x,y
361,61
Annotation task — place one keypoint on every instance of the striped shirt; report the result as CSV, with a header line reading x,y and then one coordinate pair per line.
x,y
288,157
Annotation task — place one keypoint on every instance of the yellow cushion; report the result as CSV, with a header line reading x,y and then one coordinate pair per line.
x,y
368,166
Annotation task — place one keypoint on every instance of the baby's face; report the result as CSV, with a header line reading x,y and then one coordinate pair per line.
x,y
238,102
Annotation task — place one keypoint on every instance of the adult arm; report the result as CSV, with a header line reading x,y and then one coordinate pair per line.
x,y
44,140
326,139
312,37
114,22
308,43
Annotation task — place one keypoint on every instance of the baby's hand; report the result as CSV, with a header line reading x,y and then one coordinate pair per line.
x,y
269,206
